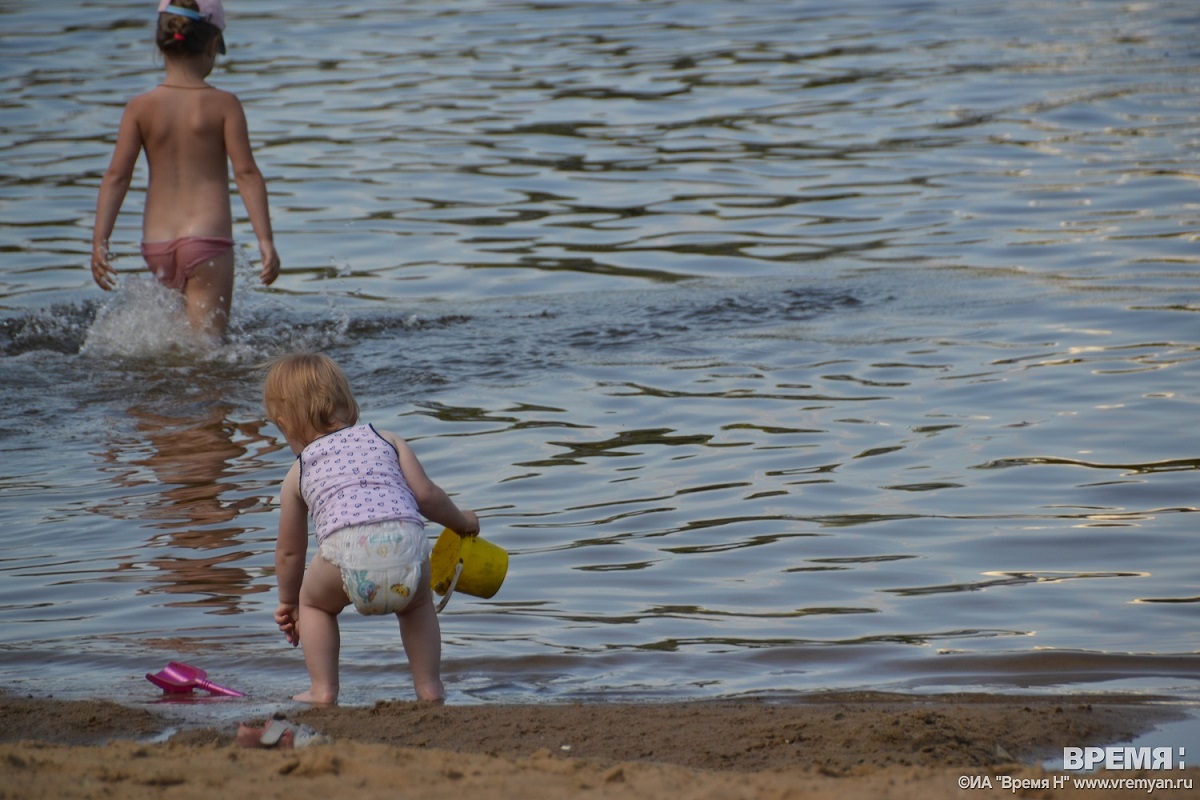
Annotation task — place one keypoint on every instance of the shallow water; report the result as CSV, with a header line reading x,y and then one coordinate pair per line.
x,y
784,349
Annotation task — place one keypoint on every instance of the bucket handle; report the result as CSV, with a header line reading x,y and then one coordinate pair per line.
x,y
458,568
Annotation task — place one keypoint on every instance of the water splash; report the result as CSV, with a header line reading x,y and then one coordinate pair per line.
x,y
144,319
59,329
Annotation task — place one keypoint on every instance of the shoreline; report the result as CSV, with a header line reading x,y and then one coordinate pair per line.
x,y
841,744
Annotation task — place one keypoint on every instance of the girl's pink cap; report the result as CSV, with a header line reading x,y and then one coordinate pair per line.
x,y
211,10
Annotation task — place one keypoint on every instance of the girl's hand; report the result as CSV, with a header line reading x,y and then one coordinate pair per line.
x,y
287,617
102,271
270,263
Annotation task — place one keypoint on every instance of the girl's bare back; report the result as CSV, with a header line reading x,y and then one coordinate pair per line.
x,y
183,131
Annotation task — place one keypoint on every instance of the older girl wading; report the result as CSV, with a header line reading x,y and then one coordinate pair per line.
x,y
191,133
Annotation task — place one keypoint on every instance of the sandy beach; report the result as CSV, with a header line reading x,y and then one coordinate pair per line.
x,y
822,746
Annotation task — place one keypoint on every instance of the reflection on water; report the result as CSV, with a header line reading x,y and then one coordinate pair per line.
x,y
177,474
783,348
188,460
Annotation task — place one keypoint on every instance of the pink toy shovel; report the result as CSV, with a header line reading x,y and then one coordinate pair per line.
x,y
179,678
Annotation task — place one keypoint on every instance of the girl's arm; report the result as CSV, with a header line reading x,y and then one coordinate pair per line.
x,y
291,551
113,189
432,501
251,186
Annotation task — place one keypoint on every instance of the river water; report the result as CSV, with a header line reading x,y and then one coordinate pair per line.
x,y
785,346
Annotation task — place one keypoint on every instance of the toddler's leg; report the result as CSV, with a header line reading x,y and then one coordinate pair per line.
x,y
322,598
422,637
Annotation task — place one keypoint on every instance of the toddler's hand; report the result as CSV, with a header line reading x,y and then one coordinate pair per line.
x,y
472,526
287,618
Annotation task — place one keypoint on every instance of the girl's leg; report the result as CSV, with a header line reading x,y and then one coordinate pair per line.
x,y
322,598
422,637
209,295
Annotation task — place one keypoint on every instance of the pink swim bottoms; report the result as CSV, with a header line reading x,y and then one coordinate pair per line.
x,y
174,261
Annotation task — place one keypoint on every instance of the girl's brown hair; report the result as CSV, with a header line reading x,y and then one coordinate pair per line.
x,y
177,34
307,396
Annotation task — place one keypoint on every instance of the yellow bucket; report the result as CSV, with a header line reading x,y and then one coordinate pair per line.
x,y
484,565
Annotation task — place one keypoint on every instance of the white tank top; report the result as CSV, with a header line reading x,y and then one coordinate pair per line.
x,y
353,477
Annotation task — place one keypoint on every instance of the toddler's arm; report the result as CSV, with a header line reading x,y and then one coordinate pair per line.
x,y
291,549
432,500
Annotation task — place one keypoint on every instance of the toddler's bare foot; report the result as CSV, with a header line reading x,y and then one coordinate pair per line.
x,y
316,698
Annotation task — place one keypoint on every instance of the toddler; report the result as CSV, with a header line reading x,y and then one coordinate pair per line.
x,y
366,493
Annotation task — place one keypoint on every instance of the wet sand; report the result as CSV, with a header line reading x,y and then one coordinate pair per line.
x,y
823,746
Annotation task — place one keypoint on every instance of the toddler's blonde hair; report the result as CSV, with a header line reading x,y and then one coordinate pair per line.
x,y
307,395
